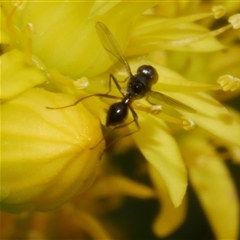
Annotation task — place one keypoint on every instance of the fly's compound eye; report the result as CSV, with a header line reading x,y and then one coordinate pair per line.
x,y
149,71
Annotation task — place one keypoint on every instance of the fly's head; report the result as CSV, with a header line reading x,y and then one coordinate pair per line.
x,y
149,73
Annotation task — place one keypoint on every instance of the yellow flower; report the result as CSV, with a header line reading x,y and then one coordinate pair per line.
x,y
52,56
49,156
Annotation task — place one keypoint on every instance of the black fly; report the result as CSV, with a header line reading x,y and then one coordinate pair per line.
x,y
138,86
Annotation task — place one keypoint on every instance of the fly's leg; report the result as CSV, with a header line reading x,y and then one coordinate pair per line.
x,y
155,109
101,95
112,78
135,120
81,99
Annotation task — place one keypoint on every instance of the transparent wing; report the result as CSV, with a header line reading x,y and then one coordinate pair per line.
x,y
170,101
110,44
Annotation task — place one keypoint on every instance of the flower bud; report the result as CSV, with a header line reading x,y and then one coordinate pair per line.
x,y
48,156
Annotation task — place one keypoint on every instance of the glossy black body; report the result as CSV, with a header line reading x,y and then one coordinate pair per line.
x,y
138,86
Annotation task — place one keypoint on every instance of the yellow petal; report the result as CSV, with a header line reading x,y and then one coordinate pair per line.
x,y
68,38
16,75
178,37
226,62
171,81
214,186
90,224
46,157
169,218
160,149
119,185
211,115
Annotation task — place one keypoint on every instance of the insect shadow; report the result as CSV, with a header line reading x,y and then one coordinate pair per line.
x,y
138,86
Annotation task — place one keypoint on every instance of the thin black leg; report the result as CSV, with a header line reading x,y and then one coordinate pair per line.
x,y
135,119
81,99
112,78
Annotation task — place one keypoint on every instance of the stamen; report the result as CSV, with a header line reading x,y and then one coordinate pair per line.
x,y
187,123
229,83
81,83
9,20
155,109
38,63
170,119
218,11
61,80
189,40
30,31
18,4
234,20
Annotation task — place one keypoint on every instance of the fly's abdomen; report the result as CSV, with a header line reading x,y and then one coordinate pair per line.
x,y
117,113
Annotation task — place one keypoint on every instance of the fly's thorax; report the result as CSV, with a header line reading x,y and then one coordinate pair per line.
x,y
137,87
